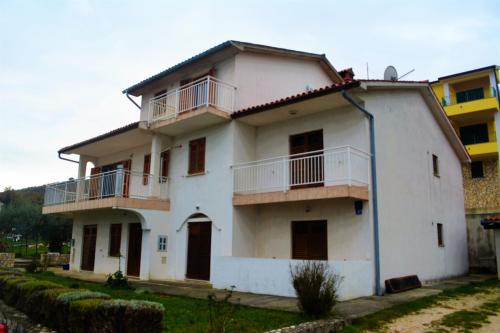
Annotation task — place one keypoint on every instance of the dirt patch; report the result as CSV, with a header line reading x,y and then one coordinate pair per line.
x,y
423,321
492,326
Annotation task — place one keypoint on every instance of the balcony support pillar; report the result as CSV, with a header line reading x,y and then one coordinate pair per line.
x,y
158,141
82,170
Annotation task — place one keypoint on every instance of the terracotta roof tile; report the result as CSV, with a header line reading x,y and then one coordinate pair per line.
x,y
348,84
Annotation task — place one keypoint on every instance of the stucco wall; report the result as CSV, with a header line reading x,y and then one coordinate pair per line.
x,y
272,276
263,78
482,192
411,199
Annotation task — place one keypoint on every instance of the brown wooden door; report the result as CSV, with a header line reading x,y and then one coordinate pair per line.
x,y
199,247
134,249
306,171
88,247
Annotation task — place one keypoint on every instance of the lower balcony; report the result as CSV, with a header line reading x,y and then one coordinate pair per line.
x,y
114,189
342,172
482,150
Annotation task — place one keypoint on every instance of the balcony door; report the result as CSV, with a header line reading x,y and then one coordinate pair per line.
x,y
199,249
103,180
307,159
195,95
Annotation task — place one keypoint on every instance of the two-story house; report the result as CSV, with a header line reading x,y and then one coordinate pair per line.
x,y
471,101
248,159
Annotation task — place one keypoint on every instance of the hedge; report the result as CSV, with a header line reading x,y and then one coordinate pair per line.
x,y
78,310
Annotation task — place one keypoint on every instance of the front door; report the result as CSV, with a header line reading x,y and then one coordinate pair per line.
x,y
306,162
199,246
134,249
88,247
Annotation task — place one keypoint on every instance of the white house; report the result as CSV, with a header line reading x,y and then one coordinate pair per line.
x,y
247,159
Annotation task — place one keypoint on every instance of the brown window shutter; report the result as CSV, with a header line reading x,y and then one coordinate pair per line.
x,y
146,169
197,156
94,182
127,164
165,161
309,240
115,237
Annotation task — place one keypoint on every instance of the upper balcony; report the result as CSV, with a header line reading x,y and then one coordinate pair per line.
x,y
114,189
342,172
469,103
204,102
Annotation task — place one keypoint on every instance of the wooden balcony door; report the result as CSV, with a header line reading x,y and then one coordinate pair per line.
x,y
88,247
199,247
134,249
306,170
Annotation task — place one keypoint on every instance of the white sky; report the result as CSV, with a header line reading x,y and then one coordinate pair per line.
x,y
63,64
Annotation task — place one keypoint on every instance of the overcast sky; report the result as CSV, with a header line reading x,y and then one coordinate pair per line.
x,y
63,64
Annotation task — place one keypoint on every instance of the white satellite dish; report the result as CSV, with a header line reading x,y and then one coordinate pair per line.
x,y
390,74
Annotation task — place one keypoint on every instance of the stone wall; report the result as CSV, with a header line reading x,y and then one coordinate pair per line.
x,y
54,259
482,192
319,326
7,259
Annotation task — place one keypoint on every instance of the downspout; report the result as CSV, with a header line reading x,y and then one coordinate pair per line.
x,y
130,99
66,159
373,162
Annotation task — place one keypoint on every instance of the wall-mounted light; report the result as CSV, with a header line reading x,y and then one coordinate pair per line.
x,y
358,207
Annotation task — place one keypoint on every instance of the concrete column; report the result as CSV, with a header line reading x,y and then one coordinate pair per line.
x,y
145,254
82,169
493,85
156,143
446,90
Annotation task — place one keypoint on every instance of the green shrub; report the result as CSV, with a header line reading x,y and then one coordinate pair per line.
x,y
143,316
10,291
41,305
221,312
117,280
315,287
81,315
81,294
29,287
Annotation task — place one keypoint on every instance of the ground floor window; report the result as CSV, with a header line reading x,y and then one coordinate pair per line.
x,y
115,238
309,240
476,169
440,234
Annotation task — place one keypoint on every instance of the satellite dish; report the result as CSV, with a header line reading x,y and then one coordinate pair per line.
x,y
390,74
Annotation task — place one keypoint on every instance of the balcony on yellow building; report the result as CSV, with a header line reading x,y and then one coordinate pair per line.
x,y
482,150
489,104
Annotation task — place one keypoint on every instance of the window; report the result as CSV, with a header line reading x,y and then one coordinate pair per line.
x,y
164,164
473,134
115,238
470,95
197,156
476,169
309,240
440,234
435,165
162,243
146,169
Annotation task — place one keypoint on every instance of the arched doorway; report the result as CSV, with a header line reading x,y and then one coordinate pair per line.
x,y
199,247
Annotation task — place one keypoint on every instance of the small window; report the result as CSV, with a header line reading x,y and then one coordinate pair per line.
x,y
146,169
476,169
162,243
435,165
309,240
440,234
115,238
197,156
164,164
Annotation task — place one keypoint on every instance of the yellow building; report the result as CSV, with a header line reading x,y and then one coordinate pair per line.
x,y
471,101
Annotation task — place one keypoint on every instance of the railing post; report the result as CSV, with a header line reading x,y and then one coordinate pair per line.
x,y
285,164
349,166
65,191
208,90
119,181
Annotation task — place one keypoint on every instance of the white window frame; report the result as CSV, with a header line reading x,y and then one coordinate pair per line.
x,y
162,244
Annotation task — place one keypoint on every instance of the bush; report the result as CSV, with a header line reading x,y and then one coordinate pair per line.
x,y
221,312
27,288
41,304
143,316
10,292
81,316
117,280
315,287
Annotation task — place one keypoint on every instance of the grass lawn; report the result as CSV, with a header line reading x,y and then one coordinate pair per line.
x,y
184,314
460,319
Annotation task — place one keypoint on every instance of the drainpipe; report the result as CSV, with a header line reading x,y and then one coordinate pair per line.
x,y
130,99
66,159
373,162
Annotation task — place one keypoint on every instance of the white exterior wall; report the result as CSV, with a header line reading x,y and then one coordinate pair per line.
x,y
264,78
411,199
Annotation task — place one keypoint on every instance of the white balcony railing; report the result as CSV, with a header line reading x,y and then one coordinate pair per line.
x,y
117,183
328,167
207,91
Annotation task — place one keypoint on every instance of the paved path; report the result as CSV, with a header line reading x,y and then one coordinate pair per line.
x,y
349,309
